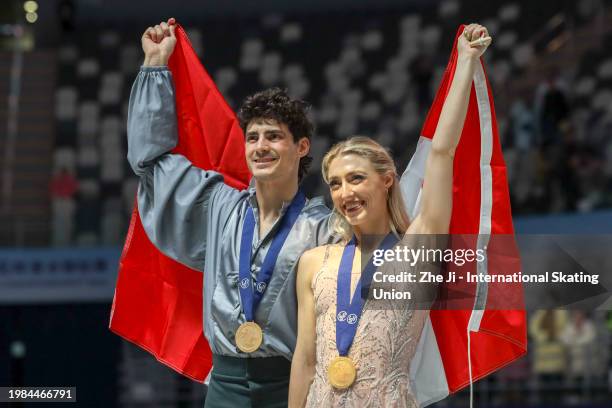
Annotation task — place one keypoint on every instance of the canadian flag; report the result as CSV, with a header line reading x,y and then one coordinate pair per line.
x,y
486,328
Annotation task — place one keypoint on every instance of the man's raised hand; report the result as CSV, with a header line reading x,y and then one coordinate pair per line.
x,y
158,43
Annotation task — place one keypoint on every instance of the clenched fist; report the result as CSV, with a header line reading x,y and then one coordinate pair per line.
x,y
474,41
158,43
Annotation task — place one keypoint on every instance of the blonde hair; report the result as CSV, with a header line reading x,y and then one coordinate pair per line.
x,y
383,164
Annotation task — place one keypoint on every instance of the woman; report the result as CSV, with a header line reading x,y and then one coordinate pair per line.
x,y
364,361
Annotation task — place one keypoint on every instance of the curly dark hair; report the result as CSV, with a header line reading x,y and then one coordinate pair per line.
x,y
274,103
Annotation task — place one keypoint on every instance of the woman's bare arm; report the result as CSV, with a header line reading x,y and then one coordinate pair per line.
x,y
436,205
304,357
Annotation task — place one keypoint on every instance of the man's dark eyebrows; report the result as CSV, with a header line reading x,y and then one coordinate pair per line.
x,y
274,131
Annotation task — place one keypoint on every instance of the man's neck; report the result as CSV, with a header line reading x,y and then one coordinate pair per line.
x,y
271,196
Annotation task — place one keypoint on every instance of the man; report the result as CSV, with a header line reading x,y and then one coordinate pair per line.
x,y
193,217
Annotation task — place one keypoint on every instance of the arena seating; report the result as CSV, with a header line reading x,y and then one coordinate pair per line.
x,y
377,79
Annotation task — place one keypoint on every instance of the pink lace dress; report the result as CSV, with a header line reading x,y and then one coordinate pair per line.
x,y
384,345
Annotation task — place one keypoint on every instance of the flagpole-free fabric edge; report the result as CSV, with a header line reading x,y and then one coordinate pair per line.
x,y
486,190
159,358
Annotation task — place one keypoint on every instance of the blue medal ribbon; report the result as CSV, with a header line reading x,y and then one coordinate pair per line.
x,y
348,312
251,292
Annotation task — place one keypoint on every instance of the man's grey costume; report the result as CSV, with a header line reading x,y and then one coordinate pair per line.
x,y
191,216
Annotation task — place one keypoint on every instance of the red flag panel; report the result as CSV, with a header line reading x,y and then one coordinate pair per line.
x,y
158,301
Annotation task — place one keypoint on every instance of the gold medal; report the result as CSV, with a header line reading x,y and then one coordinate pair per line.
x,y
249,337
341,372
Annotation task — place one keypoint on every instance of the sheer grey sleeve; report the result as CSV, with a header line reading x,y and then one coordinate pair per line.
x,y
174,196
151,129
